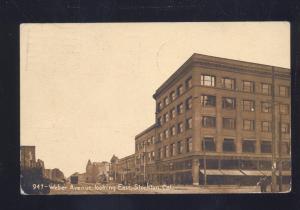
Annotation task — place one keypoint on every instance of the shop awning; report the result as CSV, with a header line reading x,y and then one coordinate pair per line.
x,y
266,173
212,172
284,173
232,172
252,173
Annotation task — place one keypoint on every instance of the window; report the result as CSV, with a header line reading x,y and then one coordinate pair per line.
x,y
166,151
208,100
159,153
266,147
283,91
189,123
152,140
248,146
179,147
188,83
161,136
160,121
248,164
266,126
284,109
228,145
173,130
173,113
166,133
229,123
208,144
189,144
228,103
180,90
173,95
172,150
285,128
188,103
266,89
285,148
228,83
166,100
248,106
248,125
160,106
207,80
248,86
208,122
180,127
265,165
180,109
266,107
166,116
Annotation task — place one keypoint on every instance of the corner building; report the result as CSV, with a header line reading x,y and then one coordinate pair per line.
x,y
216,121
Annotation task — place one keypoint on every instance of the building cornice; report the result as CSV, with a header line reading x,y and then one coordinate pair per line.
x,y
223,64
146,131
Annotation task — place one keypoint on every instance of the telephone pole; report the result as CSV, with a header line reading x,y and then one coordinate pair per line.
x,y
273,186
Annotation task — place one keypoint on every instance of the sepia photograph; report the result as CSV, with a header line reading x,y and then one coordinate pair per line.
x,y
155,108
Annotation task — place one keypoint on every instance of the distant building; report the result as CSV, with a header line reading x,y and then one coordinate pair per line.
x,y
57,175
123,170
27,156
48,173
97,172
77,178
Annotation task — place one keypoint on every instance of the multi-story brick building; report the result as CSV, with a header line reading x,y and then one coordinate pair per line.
x,y
216,121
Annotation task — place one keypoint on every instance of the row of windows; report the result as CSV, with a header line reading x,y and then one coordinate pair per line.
x,y
230,123
149,141
174,94
247,105
247,86
208,144
175,148
227,103
227,83
179,110
210,122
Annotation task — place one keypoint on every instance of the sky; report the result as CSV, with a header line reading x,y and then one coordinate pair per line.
x,y
86,89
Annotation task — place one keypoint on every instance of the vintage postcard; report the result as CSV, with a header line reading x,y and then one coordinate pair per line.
x,y
155,108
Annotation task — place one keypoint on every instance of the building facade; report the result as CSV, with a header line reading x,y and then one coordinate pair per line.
x,y
27,157
97,172
123,170
218,121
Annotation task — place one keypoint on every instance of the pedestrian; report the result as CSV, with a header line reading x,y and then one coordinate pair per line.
x,y
263,183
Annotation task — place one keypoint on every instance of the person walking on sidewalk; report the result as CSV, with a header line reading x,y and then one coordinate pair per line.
x,y
263,183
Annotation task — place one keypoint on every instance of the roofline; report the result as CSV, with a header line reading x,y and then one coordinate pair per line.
x,y
129,156
145,131
218,62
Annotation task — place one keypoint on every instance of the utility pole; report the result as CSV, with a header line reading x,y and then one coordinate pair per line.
x,y
144,162
280,151
273,186
205,177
